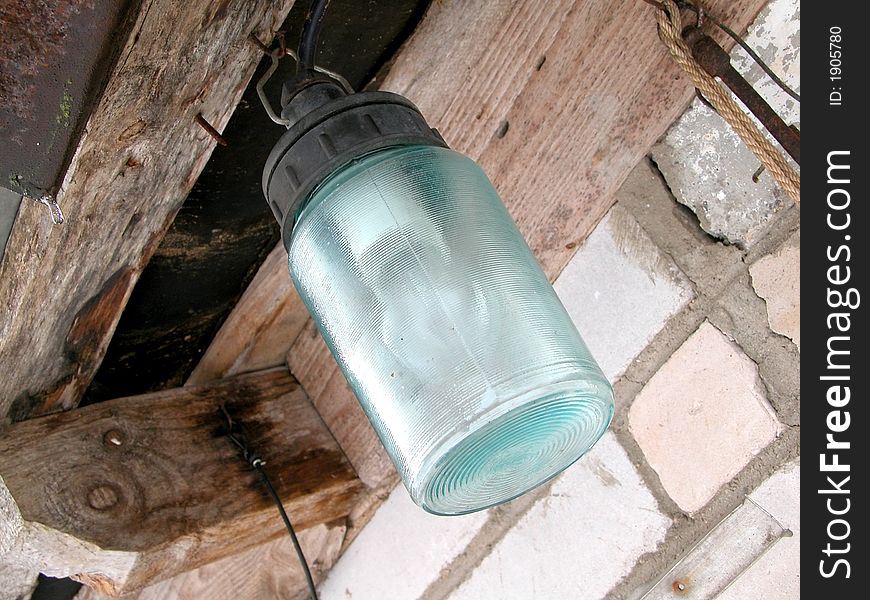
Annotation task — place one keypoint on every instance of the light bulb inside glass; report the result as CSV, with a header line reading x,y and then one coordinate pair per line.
x,y
448,331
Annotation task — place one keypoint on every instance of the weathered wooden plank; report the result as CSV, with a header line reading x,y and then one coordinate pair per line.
x,y
468,62
247,341
581,107
138,158
339,408
225,230
270,570
131,491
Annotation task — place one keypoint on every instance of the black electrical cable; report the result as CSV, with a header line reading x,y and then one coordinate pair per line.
x,y
237,436
312,589
310,35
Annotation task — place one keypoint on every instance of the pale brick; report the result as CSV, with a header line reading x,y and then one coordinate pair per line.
x,y
721,556
777,574
620,290
702,417
580,540
399,552
777,279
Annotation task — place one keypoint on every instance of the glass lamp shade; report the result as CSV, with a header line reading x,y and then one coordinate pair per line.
x,y
453,340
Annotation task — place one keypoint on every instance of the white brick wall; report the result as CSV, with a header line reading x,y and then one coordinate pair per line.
x,y
399,553
620,289
578,541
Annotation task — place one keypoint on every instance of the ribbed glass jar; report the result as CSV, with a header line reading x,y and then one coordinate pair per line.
x,y
449,333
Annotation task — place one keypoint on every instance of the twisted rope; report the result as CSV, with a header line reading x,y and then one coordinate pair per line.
x,y
671,30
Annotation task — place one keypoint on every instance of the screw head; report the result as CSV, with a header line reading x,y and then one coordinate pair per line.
x,y
114,438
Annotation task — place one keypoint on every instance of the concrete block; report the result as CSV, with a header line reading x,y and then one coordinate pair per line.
x,y
577,542
399,552
777,574
777,279
705,163
16,583
702,417
620,290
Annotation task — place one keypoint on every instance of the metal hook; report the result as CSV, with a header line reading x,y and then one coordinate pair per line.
x,y
276,56
53,208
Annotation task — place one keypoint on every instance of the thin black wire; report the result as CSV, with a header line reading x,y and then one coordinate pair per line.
x,y
310,35
237,436
312,589
742,43
702,14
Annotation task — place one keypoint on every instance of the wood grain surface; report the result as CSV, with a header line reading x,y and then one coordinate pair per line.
x,y
267,571
138,158
134,490
261,327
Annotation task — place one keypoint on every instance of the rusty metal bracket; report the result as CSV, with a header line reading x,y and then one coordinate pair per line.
x,y
715,61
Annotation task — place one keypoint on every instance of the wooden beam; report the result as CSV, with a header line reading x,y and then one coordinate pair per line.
x,y
334,400
261,327
138,158
131,491
558,101
270,570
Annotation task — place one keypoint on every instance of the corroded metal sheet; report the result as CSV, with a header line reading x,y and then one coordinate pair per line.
x,y
54,58
721,556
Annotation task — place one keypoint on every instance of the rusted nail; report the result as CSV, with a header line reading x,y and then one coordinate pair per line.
x,y
757,175
679,586
256,41
502,129
113,437
210,130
